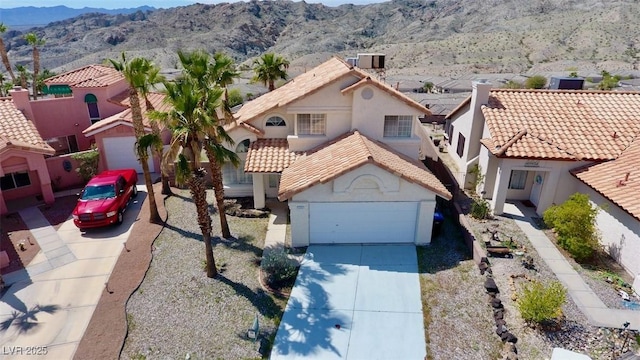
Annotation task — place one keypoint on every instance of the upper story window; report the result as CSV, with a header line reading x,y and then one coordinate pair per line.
x,y
460,148
276,121
243,146
92,106
311,124
397,125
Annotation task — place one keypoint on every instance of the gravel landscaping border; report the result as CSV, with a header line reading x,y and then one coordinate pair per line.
x,y
178,312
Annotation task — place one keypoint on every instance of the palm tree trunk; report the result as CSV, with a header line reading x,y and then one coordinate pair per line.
x,y
166,188
5,60
138,127
198,190
218,189
272,85
36,70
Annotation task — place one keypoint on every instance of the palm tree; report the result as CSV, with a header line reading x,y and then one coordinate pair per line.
x,y
191,124
206,74
3,53
269,68
24,75
34,41
136,72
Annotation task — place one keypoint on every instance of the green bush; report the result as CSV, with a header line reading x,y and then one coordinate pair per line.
x,y
539,303
480,208
535,82
575,224
87,163
235,97
279,267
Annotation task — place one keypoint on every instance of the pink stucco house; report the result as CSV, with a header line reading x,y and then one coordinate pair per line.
x,y
23,170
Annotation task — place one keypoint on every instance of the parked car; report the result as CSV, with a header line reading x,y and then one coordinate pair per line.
x,y
104,199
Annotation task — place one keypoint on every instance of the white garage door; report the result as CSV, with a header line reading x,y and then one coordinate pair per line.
x,y
120,155
362,222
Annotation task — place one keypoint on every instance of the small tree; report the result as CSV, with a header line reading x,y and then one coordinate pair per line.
x,y
87,163
234,97
575,224
540,304
427,87
535,82
608,82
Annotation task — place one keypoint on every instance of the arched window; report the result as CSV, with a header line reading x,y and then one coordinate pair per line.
x,y
276,121
243,146
92,105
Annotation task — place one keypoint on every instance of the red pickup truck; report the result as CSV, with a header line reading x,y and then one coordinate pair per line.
x,y
104,200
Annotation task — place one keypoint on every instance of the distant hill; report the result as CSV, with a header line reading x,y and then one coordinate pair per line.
x,y
439,37
36,16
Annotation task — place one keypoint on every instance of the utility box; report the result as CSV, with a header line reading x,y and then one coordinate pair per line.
x,y
566,83
370,61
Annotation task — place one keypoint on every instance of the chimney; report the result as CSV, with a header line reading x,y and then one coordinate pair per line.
x,y
20,99
480,93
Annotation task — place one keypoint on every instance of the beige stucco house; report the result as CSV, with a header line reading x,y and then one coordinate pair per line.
x,y
343,149
541,146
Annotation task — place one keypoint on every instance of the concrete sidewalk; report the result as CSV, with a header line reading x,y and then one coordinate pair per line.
x,y
277,228
588,302
50,303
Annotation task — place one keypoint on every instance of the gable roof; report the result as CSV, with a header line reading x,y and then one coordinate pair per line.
x,y
617,180
561,124
18,131
347,153
384,87
90,76
126,117
269,156
311,81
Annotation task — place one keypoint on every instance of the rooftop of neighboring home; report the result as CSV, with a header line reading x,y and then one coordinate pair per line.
x,y
16,131
90,76
560,124
617,180
346,153
126,116
312,81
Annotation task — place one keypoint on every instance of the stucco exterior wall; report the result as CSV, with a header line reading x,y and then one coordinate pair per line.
x,y
15,160
60,178
620,232
66,116
365,184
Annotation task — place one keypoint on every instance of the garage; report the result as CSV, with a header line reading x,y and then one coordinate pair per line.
x,y
120,155
362,222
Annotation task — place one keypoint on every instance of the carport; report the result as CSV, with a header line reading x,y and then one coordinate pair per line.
x,y
354,302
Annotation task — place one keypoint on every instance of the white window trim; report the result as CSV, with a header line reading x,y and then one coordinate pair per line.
x,y
398,126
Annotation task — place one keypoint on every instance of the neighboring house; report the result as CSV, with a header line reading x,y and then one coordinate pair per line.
x,y
343,149
541,146
78,99
23,170
115,137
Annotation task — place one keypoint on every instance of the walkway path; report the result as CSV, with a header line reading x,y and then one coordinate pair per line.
x,y
277,228
50,303
588,302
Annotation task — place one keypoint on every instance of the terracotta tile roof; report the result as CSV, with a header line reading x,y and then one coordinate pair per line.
x,y
269,156
347,153
89,76
617,180
157,100
18,131
395,93
302,85
561,125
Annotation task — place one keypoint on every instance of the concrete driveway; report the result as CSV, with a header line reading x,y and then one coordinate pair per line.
x,y
49,305
354,302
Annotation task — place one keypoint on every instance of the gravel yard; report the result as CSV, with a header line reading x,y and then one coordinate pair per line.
x,y
576,333
178,311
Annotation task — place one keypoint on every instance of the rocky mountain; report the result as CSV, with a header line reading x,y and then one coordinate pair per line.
x,y
32,16
443,37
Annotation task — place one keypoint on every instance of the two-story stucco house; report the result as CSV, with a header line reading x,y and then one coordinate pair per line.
x,y
342,148
541,146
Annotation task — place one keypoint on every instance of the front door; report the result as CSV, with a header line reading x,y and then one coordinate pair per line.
x,y
536,189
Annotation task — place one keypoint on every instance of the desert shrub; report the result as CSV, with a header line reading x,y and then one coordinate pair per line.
x,y
480,208
235,97
574,222
280,269
535,82
541,303
87,163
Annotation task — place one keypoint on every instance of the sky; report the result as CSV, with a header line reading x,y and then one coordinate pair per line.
x,y
115,4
